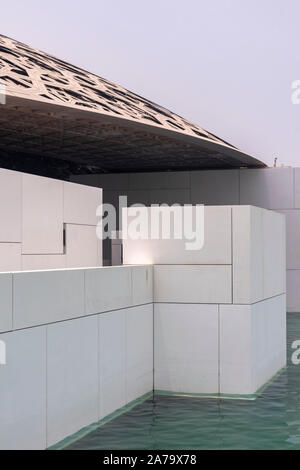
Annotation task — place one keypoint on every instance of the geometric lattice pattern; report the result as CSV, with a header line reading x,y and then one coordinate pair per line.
x,y
30,73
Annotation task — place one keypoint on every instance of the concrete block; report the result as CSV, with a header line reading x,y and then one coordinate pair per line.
x,y
108,288
292,218
248,269
23,391
215,187
10,206
10,257
170,196
160,180
41,262
72,377
80,204
271,188
139,356
252,344
216,249
296,189
274,254
42,216
186,348
112,361
5,302
142,284
47,296
83,247
192,284
293,291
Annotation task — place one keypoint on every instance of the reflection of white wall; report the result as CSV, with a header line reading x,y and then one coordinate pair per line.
x,y
33,213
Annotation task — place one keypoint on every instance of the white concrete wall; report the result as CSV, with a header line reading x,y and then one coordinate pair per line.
x,y
270,188
33,213
219,312
72,360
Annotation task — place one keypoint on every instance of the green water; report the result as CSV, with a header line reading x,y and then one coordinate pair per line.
x,y
272,421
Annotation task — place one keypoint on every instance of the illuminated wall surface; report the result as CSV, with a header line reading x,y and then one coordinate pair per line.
x,y
271,188
35,212
81,343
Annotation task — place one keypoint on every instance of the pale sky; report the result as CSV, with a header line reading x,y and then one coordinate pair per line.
x,y
226,65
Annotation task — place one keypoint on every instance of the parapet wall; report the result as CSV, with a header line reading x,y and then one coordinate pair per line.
x,y
47,223
81,343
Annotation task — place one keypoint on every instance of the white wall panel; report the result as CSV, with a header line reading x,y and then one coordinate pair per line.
x,y
215,187
271,188
47,296
192,284
112,361
108,288
72,377
216,249
23,391
80,204
10,257
42,215
10,206
186,348
83,248
139,351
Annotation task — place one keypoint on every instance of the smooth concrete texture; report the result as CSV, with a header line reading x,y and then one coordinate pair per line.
x,y
252,344
47,296
114,287
6,303
292,217
270,188
274,188
80,204
170,196
192,284
10,256
109,288
83,236
112,361
293,293
42,262
34,211
142,284
72,377
258,254
218,187
248,269
216,248
10,206
186,348
159,180
274,253
139,351
23,390
297,189
42,215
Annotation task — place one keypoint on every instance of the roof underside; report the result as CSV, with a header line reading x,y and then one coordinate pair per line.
x,y
60,113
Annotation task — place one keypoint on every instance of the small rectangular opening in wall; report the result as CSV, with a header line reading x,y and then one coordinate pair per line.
x,y
64,240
